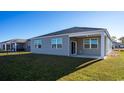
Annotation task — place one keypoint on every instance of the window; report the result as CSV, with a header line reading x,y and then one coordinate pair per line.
x,y
38,43
91,43
87,43
53,41
56,43
59,42
94,43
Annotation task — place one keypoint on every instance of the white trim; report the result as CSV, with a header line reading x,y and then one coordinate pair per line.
x,y
37,44
102,45
15,47
55,36
68,46
72,34
57,43
97,43
75,47
84,43
108,35
10,46
5,48
88,33
90,43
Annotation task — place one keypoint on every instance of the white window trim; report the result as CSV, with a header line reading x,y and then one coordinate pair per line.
x,y
52,43
97,43
57,43
37,44
90,43
84,43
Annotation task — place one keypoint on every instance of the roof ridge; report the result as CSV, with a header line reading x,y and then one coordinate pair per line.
x,y
71,30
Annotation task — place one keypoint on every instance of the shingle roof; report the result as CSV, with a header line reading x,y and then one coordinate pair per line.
x,y
73,30
16,40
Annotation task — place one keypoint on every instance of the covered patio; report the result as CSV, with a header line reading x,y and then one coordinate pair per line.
x,y
14,45
88,45
9,46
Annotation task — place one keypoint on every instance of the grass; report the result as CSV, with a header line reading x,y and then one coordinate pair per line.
x,y
25,66
13,53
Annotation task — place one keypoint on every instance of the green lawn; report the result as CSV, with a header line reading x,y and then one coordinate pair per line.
x,y
27,66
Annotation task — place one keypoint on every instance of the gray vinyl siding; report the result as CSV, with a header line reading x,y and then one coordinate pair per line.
x,y
108,45
85,51
0,46
66,47
28,45
47,48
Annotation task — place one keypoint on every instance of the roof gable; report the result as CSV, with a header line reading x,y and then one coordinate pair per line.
x,y
15,40
73,30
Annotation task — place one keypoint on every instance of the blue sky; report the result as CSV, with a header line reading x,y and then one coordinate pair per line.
x,y
30,24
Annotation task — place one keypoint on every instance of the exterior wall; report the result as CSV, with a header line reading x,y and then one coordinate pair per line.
x,y
108,45
0,46
84,51
11,46
3,47
21,46
28,45
47,48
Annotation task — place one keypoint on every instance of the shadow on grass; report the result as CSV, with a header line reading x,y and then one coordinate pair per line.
x,y
39,67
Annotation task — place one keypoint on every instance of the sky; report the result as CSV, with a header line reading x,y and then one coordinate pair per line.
x,y
25,24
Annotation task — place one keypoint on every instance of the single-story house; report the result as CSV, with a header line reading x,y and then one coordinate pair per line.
x,y
14,45
75,41
0,46
28,43
117,45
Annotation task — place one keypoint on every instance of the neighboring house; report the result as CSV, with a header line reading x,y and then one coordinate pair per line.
x,y
28,43
75,41
14,45
117,45
0,46
121,45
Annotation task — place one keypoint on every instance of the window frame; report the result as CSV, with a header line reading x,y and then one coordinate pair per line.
x,y
85,43
36,43
56,43
97,43
90,43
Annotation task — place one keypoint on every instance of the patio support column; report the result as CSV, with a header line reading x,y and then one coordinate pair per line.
x,y
10,47
15,47
102,45
5,46
68,46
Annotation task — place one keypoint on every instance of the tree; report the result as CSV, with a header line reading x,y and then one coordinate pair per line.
x,y
114,38
122,40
